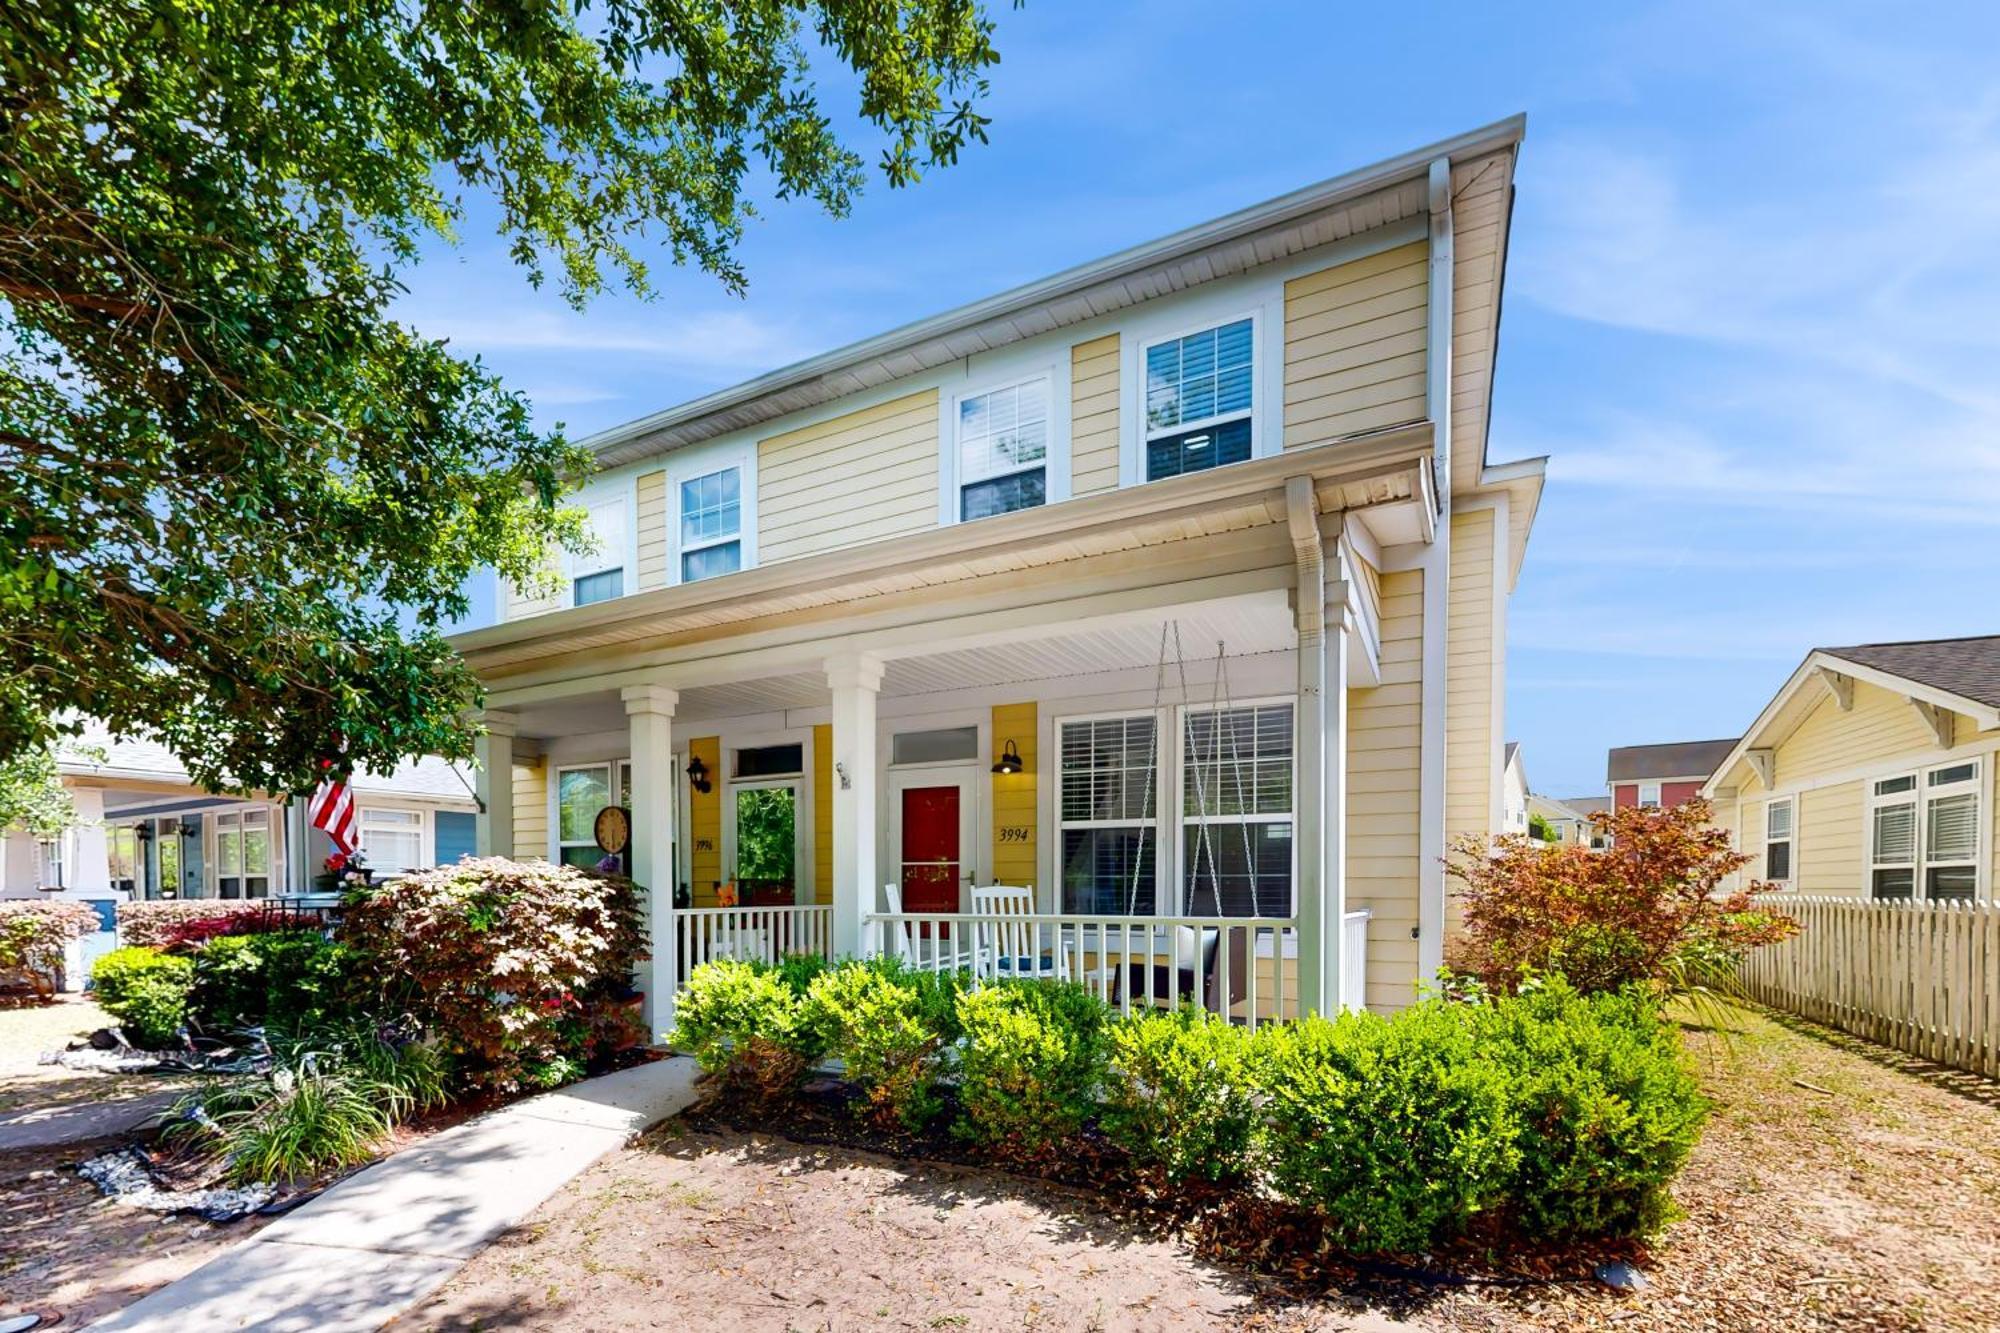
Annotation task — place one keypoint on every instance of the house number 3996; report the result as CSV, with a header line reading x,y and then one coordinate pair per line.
x,y
1013,833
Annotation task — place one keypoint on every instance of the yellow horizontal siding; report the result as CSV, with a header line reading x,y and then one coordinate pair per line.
x,y
1384,752
1093,415
531,812
858,478
822,759
1828,847
1880,725
705,822
652,530
1355,340
1014,804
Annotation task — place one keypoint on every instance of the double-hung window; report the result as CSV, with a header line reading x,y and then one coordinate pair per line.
x,y
1923,833
1778,816
1107,804
392,840
243,853
1649,796
598,575
711,524
1236,811
1951,832
1003,449
1200,399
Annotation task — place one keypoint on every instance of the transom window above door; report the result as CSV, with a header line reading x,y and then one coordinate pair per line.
x,y
1200,393
711,524
1003,449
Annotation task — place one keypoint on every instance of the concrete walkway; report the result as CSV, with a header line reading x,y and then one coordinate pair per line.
x,y
376,1244
50,1127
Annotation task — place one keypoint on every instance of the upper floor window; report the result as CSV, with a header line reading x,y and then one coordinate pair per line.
x,y
1003,449
712,525
598,575
1200,389
1649,796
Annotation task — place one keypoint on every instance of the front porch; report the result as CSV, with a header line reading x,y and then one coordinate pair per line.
x,y
1189,731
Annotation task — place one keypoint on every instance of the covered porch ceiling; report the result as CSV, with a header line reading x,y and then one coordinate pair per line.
x,y
1253,625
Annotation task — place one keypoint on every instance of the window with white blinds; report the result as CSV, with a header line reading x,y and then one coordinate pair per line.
x,y
1778,816
1003,449
1200,393
1107,809
1924,833
1236,810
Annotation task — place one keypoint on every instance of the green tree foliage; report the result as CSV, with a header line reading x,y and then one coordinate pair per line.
x,y
237,501
32,796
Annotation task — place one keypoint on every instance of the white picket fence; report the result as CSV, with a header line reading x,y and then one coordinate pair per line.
x,y
1921,977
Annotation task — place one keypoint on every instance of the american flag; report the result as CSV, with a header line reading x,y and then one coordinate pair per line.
x,y
332,810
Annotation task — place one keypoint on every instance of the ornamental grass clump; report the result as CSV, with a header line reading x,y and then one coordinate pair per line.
x,y
1033,1058
1397,1131
746,1028
1605,1106
1178,1094
521,968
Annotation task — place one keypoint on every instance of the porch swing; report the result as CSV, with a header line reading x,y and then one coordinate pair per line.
x,y
1202,949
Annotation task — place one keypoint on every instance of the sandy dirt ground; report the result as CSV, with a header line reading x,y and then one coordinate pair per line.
x,y
1838,1187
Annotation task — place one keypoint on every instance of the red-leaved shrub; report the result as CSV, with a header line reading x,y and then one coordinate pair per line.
x,y
521,968
33,937
147,924
1644,910
188,936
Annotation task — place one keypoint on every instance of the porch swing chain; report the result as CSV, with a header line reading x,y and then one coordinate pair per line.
x,y
1205,850
1236,771
1152,766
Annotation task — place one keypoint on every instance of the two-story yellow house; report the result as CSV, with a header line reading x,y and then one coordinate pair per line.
x,y
1173,586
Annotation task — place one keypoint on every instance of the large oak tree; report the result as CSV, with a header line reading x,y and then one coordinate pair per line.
x,y
237,500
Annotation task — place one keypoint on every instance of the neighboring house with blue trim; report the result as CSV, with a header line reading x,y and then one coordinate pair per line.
x,y
146,830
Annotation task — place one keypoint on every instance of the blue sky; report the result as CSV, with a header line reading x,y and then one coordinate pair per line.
x,y
1753,307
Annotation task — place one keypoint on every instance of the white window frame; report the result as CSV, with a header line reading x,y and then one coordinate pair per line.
x,y
426,847
1920,795
228,823
1790,805
805,869
618,786
1264,308
699,463
622,556
1644,801
1057,469
1164,856
1181,817
684,548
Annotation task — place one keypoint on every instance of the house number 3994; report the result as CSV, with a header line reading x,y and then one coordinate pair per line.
x,y
1013,833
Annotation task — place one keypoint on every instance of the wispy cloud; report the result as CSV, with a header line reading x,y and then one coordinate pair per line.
x,y
707,340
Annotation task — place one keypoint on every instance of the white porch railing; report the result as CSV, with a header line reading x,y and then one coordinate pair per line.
x,y
1246,967
749,934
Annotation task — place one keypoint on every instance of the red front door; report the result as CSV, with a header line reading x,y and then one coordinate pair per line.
x,y
931,856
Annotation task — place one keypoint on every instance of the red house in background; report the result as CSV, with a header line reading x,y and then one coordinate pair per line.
x,y
1662,775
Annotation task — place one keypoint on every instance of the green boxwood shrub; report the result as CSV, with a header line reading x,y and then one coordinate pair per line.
x,y
1178,1093
892,1027
287,978
743,1024
1396,1129
1606,1106
145,990
1033,1058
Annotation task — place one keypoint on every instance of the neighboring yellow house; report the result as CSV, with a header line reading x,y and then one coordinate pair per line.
x,y
1871,774
1172,586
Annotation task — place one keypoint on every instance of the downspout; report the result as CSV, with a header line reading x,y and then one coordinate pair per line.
x,y
1437,576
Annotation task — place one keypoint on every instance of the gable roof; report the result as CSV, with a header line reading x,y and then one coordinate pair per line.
x,y
1587,805
1960,675
1343,205
1969,668
1677,759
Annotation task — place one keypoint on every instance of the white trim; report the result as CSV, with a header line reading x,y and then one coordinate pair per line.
x,y
1263,304
692,465
1645,802
1920,797
974,796
576,565
1791,840
1050,364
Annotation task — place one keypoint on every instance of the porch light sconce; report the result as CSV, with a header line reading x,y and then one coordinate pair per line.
x,y
698,776
1009,761
841,771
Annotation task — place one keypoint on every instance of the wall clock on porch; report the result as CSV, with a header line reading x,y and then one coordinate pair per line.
x,y
613,830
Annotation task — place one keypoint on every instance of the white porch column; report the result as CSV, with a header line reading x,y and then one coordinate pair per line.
x,y
493,752
651,856
88,870
855,681
1309,615
1333,805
